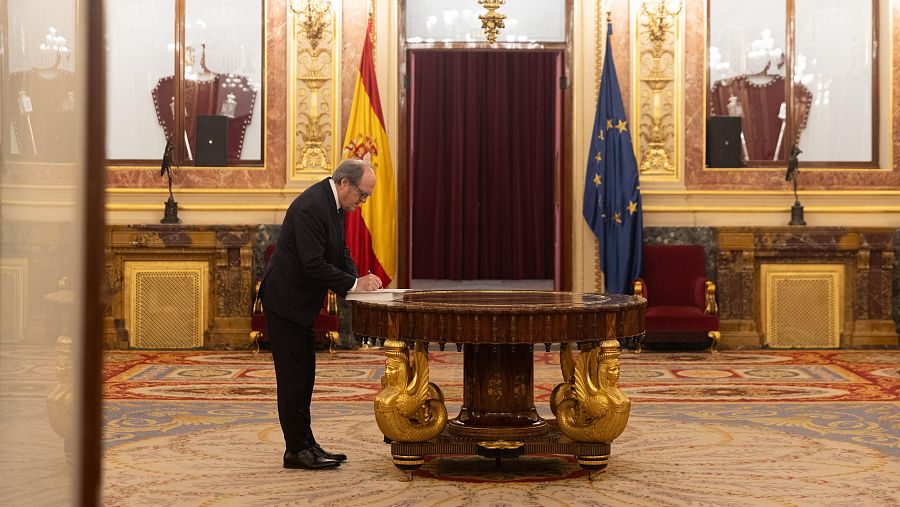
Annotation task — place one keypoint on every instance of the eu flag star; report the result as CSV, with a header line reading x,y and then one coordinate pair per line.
x,y
596,180
617,218
598,157
621,126
608,123
632,207
600,135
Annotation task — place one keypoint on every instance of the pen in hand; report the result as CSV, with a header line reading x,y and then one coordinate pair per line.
x,y
378,286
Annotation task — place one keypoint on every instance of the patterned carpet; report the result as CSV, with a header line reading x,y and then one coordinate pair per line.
x,y
734,428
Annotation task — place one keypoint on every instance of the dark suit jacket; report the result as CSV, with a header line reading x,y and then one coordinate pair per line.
x,y
310,258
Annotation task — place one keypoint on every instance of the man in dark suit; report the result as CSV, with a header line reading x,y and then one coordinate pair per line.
x,y
311,258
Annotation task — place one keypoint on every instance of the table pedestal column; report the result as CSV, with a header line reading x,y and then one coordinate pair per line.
x,y
498,393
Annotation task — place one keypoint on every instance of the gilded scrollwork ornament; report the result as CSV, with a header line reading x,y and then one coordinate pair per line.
x,y
314,99
409,408
658,65
592,408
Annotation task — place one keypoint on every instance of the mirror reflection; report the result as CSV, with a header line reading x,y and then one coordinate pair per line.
x,y
764,96
41,88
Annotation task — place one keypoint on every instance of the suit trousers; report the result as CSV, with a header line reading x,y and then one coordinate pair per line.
x,y
294,353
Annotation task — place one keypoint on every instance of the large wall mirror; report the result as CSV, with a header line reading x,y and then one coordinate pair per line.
x,y
217,94
793,72
39,55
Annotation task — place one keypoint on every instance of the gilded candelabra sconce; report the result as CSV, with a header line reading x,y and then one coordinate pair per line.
x,y
659,79
312,80
314,17
492,21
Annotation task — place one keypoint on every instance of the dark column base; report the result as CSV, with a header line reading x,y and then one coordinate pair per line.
x,y
498,393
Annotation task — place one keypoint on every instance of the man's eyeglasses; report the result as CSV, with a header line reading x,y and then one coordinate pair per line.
x,y
362,195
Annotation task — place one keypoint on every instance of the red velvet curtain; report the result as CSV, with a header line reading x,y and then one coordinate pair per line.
x,y
484,132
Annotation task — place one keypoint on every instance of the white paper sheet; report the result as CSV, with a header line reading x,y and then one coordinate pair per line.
x,y
376,295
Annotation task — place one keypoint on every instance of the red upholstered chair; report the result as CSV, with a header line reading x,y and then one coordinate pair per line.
x,y
325,326
681,301
258,327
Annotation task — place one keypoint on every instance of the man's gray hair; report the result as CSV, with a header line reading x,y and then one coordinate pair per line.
x,y
352,169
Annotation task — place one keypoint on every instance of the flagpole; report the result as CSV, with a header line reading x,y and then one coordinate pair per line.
x,y
598,273
612,202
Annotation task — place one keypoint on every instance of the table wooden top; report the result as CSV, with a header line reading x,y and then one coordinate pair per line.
x,y
475,316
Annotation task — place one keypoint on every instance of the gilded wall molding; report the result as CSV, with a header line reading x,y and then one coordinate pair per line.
x,y
599,51
314,96
658,79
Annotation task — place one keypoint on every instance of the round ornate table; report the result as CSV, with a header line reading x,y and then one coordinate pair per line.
x,y
497,331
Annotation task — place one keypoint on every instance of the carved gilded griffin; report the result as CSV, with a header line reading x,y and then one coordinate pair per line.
x,y
409,408
589,406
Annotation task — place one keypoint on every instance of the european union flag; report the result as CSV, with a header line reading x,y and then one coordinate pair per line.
x,y
612,197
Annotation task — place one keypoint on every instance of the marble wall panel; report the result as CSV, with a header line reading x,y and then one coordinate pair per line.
x,y
228,249
266,234
694,83
734,271
867,254
705,236
895,283
353,25
895,85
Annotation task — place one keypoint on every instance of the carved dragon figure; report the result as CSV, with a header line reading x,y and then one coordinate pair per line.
x,y
409,408
589,406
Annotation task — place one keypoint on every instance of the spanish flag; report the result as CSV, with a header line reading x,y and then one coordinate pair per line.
x,y
371,230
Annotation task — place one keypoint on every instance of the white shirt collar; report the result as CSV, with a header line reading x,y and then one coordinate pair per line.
x,y
334,191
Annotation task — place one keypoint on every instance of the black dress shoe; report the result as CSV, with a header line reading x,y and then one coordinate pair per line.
x,y
322,453
308,460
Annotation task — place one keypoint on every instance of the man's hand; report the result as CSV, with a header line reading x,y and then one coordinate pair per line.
x,y
368,283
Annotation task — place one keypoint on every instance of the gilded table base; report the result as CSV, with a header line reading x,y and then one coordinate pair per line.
x,y
536,429
497,330
592,456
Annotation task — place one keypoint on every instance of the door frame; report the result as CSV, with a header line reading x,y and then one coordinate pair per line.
x,y
563,174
